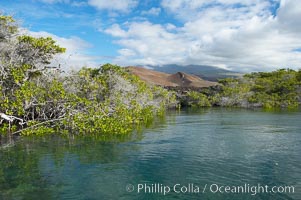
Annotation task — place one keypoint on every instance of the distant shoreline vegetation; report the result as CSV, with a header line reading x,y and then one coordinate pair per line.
x,y
37,99
277,89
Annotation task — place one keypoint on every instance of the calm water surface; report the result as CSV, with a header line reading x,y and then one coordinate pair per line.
x,y
225,147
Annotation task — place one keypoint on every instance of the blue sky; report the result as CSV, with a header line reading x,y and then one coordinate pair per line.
x,y
242,35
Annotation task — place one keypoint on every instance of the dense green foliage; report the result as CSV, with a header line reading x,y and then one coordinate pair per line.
x,y
104,100
197,99
281,88
37,99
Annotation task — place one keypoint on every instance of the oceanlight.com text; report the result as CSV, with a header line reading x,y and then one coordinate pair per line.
x,y
192,188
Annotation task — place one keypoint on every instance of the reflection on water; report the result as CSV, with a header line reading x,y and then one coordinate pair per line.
x,y
211,146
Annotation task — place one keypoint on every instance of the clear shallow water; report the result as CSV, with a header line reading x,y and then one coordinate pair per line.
x,y
231,147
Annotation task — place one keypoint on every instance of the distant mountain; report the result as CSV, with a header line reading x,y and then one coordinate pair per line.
x,y
206,72
179,79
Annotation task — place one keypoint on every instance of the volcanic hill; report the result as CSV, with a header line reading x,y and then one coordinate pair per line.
x,y
179,79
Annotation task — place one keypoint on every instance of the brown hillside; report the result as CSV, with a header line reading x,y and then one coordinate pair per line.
x,y
178,79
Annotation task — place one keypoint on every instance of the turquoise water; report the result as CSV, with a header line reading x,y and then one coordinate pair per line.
x,y
206,148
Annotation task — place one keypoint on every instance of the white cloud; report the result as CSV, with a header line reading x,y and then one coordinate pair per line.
x,y
152,11
114,5
289,15
75,56
78,3
239,34
115,31
189,10
126,52
175,5
148,43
